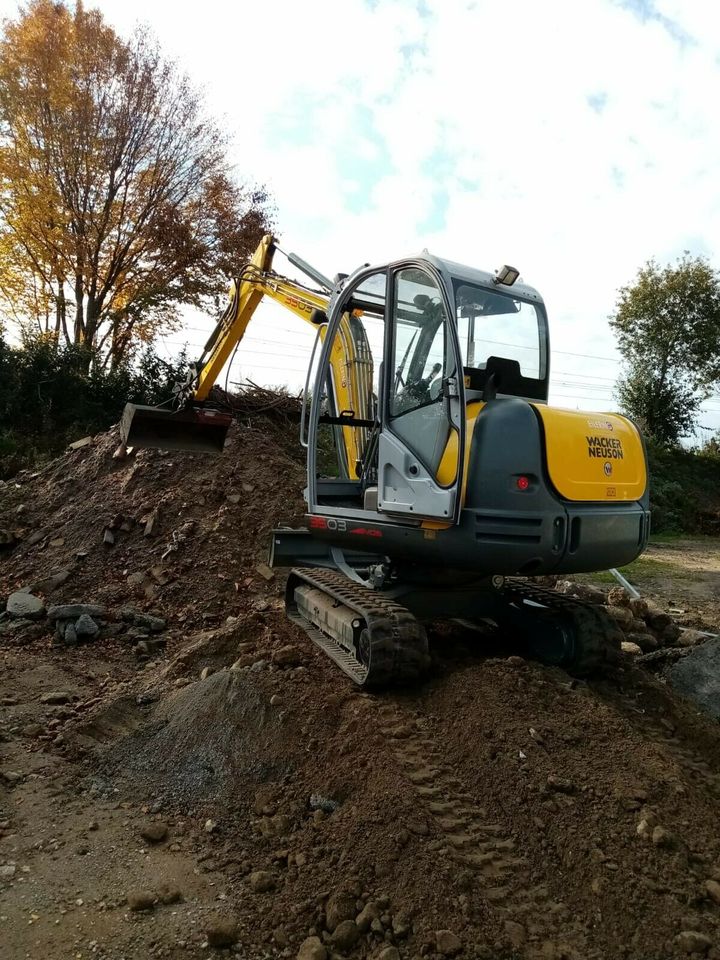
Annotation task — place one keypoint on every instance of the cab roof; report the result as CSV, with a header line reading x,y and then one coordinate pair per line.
x,y
451,270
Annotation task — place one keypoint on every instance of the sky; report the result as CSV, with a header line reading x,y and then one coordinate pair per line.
x,y
574,140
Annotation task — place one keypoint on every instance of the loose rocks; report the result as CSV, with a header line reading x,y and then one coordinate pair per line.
x,y
690,941
221,933
55,697
140,900
346,935
447,943
153,832
713,890
25,605
72,611
261,881
312,949
86,627
340,906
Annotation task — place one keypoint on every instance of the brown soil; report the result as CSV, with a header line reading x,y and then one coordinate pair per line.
x,y
500,800
698,585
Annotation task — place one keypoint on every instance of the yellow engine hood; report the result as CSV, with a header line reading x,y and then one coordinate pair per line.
x,y
593,456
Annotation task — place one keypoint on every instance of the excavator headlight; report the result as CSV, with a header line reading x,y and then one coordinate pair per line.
x,y
506,275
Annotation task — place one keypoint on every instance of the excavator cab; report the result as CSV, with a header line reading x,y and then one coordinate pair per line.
x,y
422,338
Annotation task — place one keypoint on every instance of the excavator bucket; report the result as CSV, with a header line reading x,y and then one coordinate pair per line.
x,y
195,429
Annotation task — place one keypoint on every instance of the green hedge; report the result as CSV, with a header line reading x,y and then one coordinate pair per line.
x,y
50,396
684,490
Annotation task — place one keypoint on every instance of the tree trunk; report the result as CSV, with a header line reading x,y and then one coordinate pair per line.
x,y
79,331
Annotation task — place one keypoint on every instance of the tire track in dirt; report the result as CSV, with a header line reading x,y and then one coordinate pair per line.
x,y
532,923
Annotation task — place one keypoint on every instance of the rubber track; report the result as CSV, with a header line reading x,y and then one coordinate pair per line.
x,y
398,642
599,639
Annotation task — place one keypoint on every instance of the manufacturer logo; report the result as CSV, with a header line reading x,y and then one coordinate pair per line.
x,y
600,424
609,447
608,469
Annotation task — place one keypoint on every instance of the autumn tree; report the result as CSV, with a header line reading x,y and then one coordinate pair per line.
x,y
668,328
117,202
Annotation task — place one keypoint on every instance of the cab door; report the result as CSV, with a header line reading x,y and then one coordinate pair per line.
x,y
422,440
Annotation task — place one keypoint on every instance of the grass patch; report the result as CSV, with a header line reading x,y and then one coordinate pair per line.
x,y
644,568
672,536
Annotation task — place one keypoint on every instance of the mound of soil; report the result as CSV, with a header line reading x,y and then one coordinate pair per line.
x,y
180,534
236,792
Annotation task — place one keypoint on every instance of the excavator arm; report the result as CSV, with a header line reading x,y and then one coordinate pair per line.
x,y
192,424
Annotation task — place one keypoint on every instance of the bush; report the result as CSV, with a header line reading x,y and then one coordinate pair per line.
x,y
50,396
684,490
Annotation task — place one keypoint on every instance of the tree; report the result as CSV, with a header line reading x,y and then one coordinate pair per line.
x,y
117,203
668,327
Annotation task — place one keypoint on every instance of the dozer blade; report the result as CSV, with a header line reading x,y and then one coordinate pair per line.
x,y
194,429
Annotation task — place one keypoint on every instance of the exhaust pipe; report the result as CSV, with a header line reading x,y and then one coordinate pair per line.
x,y
194,429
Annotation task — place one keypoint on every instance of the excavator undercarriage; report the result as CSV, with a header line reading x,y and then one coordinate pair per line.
x,y
379,642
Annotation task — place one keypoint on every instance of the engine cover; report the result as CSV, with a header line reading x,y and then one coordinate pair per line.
x,y
593,456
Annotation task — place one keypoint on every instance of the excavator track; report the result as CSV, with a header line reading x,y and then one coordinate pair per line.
x,y
391,647
593,636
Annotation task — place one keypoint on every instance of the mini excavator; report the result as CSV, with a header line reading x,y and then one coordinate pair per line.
x,y
439,481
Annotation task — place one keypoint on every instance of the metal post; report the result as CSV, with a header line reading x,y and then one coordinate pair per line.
x,y
623,583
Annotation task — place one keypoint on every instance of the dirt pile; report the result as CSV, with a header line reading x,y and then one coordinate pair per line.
x,y
180,536
229,789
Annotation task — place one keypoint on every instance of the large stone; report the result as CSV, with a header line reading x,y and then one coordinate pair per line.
x,y
138,900
657,618
640,607
262,882
72,611
25,605
346,935
55,697
52,582
697,676
389,953
153,831
447,943
646,641
371,911
692,941
86,626
631,648
288,656
221,933
340,906
621,615
618,597
144,620
312,949
713,890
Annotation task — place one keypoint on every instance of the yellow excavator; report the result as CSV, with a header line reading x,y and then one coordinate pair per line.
x,y
439,481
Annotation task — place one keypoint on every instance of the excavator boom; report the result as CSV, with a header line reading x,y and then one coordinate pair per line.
x,y
191,425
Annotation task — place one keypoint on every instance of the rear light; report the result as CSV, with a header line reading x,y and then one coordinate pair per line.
x,y
522,483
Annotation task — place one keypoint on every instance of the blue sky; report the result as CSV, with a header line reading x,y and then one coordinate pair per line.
x,y
574,140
